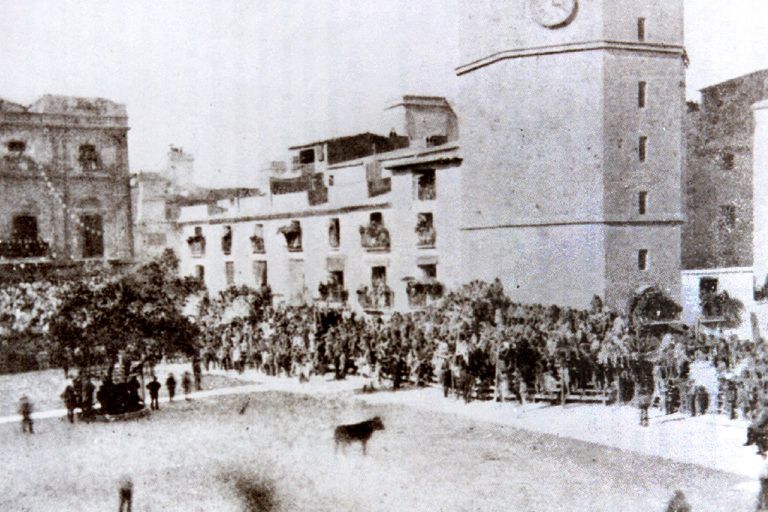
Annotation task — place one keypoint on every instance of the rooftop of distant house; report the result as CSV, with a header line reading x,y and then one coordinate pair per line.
x,y
762,73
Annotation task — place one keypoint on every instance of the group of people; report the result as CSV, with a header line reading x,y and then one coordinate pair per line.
x,y
476,339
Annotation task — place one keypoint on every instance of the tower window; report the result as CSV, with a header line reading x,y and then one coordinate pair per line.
x,y
200,272
641,29
16,146
642,148
642,259
642,202
641,89
728,161
89,159
330,180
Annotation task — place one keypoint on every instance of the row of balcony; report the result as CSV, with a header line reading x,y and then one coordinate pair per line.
x,y
24,248
381,297
373,238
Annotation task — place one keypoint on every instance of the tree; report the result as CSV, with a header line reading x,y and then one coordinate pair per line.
x,y
722,305
652,305
137,313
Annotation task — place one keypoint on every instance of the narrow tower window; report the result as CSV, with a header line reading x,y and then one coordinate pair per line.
x,y
642,259
642,202
641,87
642,148
641,29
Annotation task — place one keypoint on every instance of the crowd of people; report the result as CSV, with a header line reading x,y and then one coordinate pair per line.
x,y
477,341
474,341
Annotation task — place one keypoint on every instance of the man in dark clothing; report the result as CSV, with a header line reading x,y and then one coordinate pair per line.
x,y
25,410
126,494
154,392
186,384
88,393
197,370
69,402
170,383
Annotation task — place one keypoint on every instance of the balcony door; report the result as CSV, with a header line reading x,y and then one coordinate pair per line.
x,y
25,227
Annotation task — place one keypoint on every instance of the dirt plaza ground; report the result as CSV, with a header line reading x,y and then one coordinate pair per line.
x,y
204,455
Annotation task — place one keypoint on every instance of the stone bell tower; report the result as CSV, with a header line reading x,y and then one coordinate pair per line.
x,y
570,117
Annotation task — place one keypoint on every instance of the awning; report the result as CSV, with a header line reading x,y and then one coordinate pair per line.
x,y
335,264
293,227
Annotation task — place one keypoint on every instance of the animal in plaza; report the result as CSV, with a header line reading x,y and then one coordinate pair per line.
x,y
362,432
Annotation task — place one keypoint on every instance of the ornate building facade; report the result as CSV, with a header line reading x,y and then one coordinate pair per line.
x,y
65,184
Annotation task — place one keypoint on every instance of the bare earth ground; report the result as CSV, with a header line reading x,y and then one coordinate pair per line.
x,y
191,455
45,387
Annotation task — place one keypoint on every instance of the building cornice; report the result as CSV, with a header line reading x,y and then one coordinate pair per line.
x,y
586,46
288,215
614,221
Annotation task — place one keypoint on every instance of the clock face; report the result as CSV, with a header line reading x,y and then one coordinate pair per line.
x,y
553,13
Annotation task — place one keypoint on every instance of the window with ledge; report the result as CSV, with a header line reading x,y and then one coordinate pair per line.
x,y
641,29
334,233
375,236
257,239
229,271
260,273
707,286
425,230
425,185
641,94
196,243
88,158
226,241
292,234
642,148
642,259
642,202
378,275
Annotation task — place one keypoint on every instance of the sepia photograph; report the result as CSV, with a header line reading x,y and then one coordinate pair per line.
x,y
384,255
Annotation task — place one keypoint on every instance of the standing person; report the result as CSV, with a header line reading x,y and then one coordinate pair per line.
x,y
154,392
69,401
170,383
197,370
186,384
89,389
25,410
125,492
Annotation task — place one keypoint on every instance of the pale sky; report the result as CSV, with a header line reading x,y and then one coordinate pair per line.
x,y
237,82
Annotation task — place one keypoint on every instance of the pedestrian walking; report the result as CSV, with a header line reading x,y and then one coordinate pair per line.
x,y
25,410
70,401
170,384
186,384
154,393
125,493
